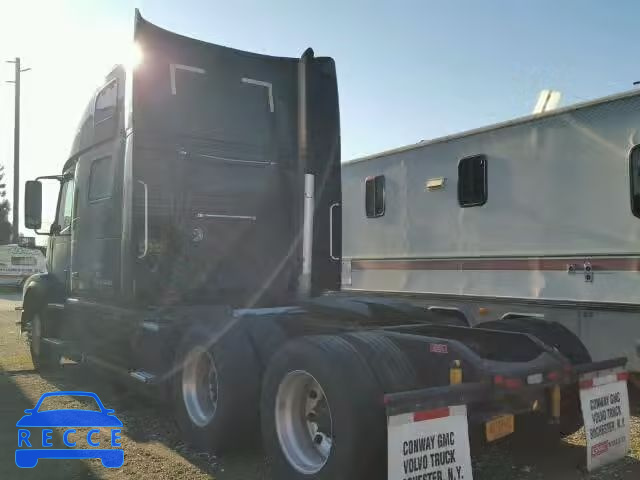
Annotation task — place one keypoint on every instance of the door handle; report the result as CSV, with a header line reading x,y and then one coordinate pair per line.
x,y
333,205
146,220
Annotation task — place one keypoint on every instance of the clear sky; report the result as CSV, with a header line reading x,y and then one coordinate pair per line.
x,y
407,70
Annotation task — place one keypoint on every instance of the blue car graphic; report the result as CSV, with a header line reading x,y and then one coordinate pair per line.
x,y
68,418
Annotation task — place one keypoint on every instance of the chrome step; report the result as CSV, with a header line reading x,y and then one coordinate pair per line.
x,y
56,342
142,376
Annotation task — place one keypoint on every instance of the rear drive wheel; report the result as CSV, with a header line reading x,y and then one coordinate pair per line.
x,y
43,355
216,388
304,422
322,412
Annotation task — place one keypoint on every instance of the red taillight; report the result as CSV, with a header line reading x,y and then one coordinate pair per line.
x,y
553,376
510,383
623,376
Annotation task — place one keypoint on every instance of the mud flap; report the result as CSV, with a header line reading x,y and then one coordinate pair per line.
x,y
605,406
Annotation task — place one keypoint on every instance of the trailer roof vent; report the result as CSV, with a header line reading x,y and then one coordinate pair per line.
x,y
547,100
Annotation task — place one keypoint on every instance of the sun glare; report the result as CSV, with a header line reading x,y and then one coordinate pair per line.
x,y
135,57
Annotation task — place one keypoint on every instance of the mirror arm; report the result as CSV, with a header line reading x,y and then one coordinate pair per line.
x,y
60,178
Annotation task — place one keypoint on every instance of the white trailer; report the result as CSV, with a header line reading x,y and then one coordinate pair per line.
x,y
536,217
18,263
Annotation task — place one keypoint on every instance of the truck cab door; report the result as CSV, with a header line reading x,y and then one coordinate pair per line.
x,y
60,241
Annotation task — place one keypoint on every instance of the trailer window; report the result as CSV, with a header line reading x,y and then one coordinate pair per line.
x,y
100,179
634,174
374,196
472,181
22,261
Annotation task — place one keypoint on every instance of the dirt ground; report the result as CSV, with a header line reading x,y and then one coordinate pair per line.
x,y
153,449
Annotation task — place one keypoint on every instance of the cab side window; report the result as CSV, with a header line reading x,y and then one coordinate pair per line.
x,y
100,179
65,207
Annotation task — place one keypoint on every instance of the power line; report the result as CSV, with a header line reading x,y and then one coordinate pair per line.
x,y
15,224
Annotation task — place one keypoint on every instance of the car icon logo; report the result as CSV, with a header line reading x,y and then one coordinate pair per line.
x,y
28,453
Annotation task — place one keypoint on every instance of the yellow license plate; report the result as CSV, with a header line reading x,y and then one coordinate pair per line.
x,y
499,427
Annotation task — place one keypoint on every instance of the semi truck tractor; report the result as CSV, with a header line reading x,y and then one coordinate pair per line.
x,y
196,251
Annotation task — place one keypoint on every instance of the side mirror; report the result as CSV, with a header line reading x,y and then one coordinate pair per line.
x,y
33,204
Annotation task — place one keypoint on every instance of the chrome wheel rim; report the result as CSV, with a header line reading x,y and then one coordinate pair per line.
x,y
36,334
200,386
303,422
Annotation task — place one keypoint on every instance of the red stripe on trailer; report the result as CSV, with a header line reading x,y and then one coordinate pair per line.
x,y
623,264
431,414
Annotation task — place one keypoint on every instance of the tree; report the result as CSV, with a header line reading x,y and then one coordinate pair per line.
x,y
5,208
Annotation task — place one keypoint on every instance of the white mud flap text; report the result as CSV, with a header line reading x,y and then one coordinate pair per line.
x,y
429,445
605,407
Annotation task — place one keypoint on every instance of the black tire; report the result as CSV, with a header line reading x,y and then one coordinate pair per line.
x,y
389,364
44,356
356,409
563,339
267,337
235,415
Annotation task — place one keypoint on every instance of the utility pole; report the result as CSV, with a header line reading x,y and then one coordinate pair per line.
x,y
16,150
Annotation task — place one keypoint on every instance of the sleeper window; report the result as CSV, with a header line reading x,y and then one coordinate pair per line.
x,y
100,179
374,196
106,102
472,181
634,175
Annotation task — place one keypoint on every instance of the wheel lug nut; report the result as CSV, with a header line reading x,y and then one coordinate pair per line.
x,y
313,394
318,439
